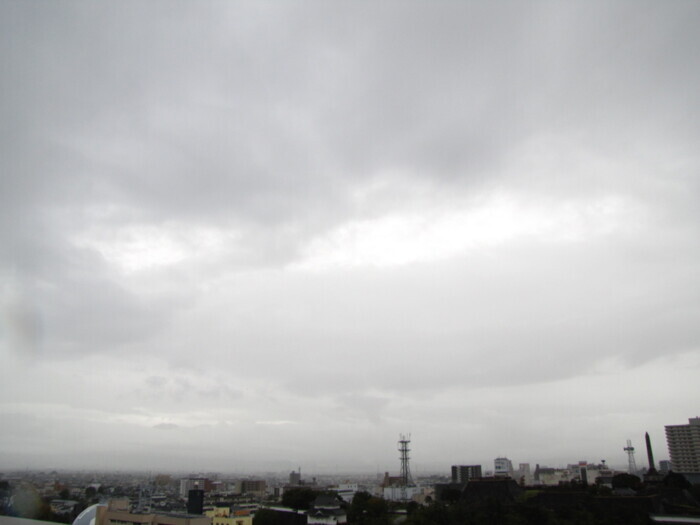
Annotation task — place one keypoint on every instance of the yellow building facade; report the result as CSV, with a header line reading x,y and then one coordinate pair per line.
x,y
224,516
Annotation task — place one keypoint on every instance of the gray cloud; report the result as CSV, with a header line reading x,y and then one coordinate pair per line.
x,y
217,216
166,426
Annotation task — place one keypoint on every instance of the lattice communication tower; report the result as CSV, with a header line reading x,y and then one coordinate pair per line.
x,y
404,441
632,464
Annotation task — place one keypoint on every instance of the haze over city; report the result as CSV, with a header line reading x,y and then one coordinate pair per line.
x,y
258,235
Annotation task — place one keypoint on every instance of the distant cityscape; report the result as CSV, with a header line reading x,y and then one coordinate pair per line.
x,y
670,487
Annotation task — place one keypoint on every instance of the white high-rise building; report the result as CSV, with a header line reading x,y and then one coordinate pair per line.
x,y
502,467
684,446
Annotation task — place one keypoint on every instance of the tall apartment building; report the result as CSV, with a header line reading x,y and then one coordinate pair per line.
x,y
463,473
684,446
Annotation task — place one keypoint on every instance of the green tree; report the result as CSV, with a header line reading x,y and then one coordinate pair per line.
x,y
265,517
626,481
677,481
366,509
298,498
435,514
695,491
451,495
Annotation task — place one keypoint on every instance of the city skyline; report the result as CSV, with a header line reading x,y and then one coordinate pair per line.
x,y
259,234
312,467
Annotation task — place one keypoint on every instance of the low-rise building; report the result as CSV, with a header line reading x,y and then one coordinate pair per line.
x,y
188,484
346,491
224,516
551,476
400,493
664,466
115,514
253,487
64,507
326,510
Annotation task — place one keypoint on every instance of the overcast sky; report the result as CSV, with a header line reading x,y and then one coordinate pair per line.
x,y
258,235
